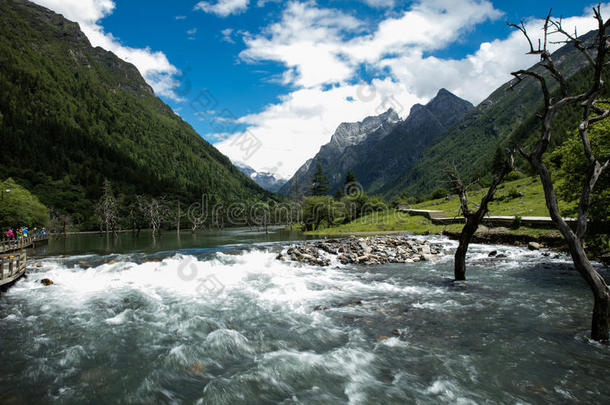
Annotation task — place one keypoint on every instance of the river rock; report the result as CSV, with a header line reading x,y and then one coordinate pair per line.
x,y
46,281
492,253
534,246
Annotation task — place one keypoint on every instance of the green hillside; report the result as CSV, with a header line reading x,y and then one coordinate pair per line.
x,y
72,115
522,197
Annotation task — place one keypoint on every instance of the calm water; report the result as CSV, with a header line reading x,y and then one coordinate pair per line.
x,y
167,242
204,325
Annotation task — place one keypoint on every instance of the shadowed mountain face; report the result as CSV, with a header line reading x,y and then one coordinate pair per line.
x,y
72,115
379,148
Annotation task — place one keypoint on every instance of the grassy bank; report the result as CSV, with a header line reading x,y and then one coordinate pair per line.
x,y
523,197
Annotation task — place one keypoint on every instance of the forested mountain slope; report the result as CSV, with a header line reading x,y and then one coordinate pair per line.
x,y
72,115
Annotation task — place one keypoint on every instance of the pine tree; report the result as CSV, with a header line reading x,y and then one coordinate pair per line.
x,y
498,161
319,183
350,177
339,193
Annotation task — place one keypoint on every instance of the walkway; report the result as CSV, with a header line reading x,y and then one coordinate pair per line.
x,y
7,246
12,267
440,218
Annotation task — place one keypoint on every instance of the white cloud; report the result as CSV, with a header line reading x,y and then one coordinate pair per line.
x,y
223,8
308,40
323,50
153,65
227,35
192,31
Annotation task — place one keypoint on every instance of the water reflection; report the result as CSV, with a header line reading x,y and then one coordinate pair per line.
x,y
128,242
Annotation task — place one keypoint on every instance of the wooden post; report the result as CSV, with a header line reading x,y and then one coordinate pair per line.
x,y
10,266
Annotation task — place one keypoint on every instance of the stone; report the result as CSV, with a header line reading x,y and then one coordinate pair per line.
x,y
395,332
196,368
534,246
482,229
492,253
38,264
500,255
429,258
46,281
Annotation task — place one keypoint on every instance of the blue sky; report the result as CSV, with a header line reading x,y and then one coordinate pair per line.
x,y
286,73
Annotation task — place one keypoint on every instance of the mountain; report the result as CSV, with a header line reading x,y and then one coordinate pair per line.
x,y
268,181
335,155
380,148
72,115
382,162
471,142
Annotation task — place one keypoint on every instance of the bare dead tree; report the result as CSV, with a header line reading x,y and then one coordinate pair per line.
x,y
594,110
473,218
154,210
198,213
177,216
107,210
60,222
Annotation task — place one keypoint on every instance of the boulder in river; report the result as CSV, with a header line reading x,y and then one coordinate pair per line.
x,y
534,246
46,281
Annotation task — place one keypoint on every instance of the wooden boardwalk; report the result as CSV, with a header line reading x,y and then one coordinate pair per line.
x,y
440,218
12,267
7,246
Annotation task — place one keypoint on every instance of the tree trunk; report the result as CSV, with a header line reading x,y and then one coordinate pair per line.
x,y
460,254
600,322
178,222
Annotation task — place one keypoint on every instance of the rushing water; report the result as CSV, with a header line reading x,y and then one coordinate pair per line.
x,y
210,326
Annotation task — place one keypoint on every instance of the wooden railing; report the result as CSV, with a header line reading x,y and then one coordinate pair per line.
x,y
14,245
12,267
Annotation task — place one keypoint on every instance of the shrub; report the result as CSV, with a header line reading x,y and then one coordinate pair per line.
x,y
514,193
516,223
514,175
439,193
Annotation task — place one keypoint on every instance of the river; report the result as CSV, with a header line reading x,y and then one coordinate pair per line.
x,y
216,319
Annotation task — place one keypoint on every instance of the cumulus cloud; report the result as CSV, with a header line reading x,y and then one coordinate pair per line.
x,y
154,66
323,51
308,41
223,8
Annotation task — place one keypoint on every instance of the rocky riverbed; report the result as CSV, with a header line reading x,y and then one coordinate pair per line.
x,y
368,251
